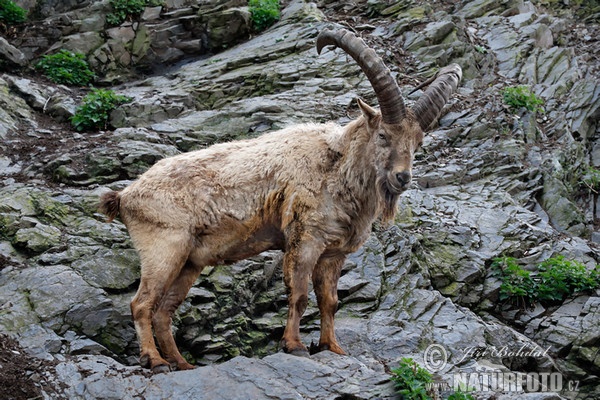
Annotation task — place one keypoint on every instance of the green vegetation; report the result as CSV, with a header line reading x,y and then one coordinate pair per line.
x,y
95,109
11,13
123,9
559,278
521,96
586,10
412,381
517,283
591,179
66,67
555,280
460,395
264,13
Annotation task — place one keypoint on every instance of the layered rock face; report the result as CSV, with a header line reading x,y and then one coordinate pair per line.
x,y
490,181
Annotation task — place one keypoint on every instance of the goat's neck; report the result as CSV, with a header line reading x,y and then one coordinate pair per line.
x,y
358,166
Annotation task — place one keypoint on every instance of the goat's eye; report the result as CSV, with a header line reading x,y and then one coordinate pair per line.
x,y
382,137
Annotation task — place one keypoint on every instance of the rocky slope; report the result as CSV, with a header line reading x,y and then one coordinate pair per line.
x,y
489,181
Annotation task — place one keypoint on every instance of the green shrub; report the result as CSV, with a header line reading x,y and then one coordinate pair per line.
x,y
11,13
122,9
517,284
412,381
95,109
554,281
460,395
521,96
66,67
264,13
559,278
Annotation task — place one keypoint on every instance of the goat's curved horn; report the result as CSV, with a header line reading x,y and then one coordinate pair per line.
x,y
429,106
386,89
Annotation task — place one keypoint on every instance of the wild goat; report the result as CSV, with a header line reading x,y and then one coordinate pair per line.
x,y
311,190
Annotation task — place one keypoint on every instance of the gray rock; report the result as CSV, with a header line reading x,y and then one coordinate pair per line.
x,y
487,183
226,26
151,13
84,43
11,54
38,238
110,268
35,96
279,376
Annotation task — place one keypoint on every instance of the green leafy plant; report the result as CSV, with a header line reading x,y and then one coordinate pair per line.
x,y
11,13
412,381
481,49
460,395
521,96
95,109
558,278
264,13
554,281
123,9
517,284
66,67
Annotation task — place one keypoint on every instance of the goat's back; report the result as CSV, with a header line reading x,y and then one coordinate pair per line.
x,y
233,179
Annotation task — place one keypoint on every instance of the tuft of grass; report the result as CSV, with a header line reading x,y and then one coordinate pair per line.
x,y
95,109
521,96
11,13
264,13
66,67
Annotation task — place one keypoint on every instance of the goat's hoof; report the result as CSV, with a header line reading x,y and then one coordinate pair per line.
x,y
295,348
145,361
161,369
184,366
300,353
315,348
334,348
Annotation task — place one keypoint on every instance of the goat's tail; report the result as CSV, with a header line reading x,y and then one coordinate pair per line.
x,y
110,203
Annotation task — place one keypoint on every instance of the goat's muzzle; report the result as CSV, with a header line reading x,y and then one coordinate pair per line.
x,y
398,182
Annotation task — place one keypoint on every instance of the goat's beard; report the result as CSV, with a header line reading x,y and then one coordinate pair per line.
x,y
388,200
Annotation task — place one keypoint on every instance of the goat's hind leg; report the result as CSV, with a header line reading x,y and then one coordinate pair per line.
x,y
164,312
163,255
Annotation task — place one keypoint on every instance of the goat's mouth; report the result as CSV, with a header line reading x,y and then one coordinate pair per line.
x,y
397,183
395,188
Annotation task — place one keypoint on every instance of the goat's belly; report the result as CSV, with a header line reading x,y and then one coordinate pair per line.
x,y
237,246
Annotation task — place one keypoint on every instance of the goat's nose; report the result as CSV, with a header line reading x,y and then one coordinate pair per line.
x,y
404,177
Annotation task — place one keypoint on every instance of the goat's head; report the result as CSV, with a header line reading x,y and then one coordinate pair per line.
x,y
396,131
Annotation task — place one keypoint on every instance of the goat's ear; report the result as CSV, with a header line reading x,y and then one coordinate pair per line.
x,y
368,112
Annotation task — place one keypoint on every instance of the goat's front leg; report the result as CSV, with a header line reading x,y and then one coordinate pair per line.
x,y
325,279
298,262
